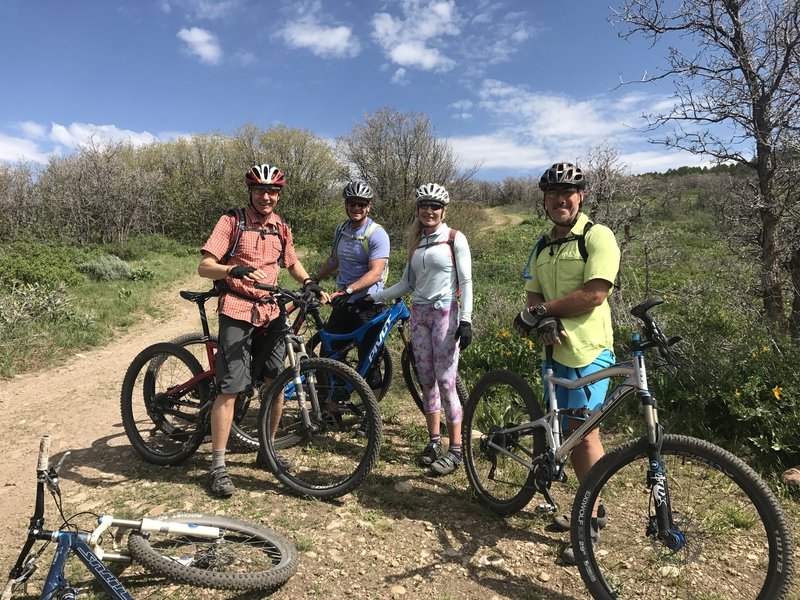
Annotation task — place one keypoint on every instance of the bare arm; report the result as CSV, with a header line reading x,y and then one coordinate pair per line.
x,y
593,293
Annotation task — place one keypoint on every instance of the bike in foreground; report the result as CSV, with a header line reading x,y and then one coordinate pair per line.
x,y
195,549
686,519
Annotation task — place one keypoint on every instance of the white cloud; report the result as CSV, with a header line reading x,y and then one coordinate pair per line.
x,y
77,134
309,30
32,130
14,149
498,151
325,42
211,9
462,109
201,43
399,77
37,142
532,129
412,39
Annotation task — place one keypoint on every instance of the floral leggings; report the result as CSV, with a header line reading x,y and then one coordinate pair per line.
x,y
433,330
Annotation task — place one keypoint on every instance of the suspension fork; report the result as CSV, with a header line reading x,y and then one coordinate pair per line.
x,y
661,524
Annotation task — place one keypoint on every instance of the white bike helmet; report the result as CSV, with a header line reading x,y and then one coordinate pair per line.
x,y
264,175
563,173
357,189
432,192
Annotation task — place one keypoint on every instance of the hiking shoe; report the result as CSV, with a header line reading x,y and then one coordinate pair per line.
x,y
285,463
446,464
568,554
431,453
220,483
562,522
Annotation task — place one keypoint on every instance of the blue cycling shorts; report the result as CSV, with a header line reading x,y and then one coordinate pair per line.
x,y
590,396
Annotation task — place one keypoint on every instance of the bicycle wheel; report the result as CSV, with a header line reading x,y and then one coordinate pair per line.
x,y
737,543
411,379
246,557
333,455
499,401
165,419
386,365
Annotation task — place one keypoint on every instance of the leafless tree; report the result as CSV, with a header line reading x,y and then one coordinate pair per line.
x,y
737,90
396,152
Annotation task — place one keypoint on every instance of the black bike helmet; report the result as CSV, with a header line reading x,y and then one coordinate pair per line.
x,y
563,173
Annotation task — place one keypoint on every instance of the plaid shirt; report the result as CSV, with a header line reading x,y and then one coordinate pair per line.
x,y
256,248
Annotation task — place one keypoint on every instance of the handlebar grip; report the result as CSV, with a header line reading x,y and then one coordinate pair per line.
x,y
44,453
267,287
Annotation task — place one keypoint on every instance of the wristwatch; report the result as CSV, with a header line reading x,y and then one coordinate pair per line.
x,y
349,290
539,310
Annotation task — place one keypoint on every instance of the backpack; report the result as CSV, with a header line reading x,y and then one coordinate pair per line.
x,y
281,231
542,243
363,238
241,227
450,241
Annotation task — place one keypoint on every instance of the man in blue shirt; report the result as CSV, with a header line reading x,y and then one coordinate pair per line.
x,y
360,253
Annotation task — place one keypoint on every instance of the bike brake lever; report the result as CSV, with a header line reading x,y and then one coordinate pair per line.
x,y
60,464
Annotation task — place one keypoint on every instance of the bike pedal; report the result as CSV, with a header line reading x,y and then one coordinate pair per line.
x,y
544,508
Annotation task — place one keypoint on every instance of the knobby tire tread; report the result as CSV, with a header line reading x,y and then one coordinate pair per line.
x,y
152,559
520,499
778,580
145,359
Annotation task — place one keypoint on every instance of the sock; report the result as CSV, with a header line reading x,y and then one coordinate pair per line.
x,y
436,439
455,450
217,458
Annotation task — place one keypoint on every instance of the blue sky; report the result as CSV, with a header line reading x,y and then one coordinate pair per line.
x,y
514,85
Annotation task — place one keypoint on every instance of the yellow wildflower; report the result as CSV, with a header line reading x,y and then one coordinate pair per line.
x,y
737,393
777,391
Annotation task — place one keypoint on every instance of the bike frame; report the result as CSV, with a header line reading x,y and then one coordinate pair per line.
x,y
83,544
398,312
558,451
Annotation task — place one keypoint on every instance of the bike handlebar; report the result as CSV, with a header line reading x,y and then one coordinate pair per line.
x,y
44,454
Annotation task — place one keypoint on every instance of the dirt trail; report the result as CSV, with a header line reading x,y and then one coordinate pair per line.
x,y
76,403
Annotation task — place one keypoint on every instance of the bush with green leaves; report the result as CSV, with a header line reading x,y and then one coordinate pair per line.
x,y
36,263
142,246
106,268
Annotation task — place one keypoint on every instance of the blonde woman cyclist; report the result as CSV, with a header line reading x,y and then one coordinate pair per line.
x,y
439,266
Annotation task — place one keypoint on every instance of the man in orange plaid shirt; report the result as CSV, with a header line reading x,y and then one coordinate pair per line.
x,y
242,256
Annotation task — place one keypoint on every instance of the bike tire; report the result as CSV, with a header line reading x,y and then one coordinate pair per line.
x,y
163,428
411,379
330,458
738,544
247,557
500,400
386,367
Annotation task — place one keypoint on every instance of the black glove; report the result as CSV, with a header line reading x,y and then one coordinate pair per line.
x,y
240,271
547,329
464,334
312,286
340,300
524,322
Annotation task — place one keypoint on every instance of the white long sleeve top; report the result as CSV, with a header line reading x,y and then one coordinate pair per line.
x,y
432,277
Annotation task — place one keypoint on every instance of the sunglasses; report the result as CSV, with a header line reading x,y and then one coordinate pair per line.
x,y
357,204
430,205
262,189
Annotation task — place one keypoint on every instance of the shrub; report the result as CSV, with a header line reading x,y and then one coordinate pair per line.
x,y
35,263
106,268
140,247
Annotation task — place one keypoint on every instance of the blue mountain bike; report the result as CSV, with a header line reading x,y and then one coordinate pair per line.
x,y
322,344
